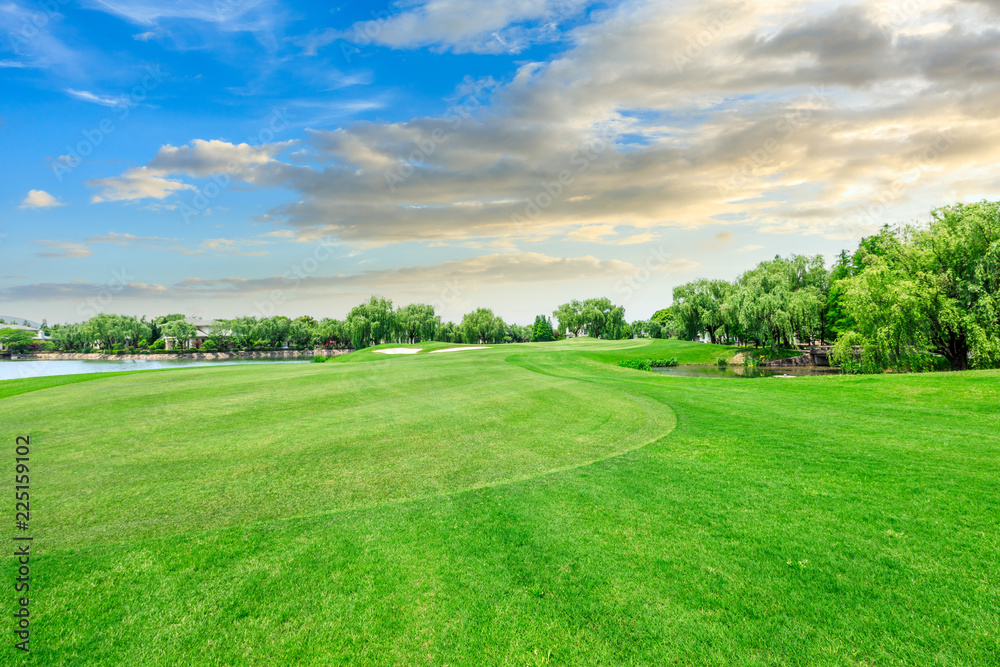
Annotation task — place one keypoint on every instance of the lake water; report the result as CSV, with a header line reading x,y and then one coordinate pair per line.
x,y
701,371
29,368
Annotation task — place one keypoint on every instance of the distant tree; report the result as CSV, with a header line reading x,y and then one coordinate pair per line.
x,y
417,322
647,329
448,332
482,326
603,319
372,323
300,332
16,340
542,329
179,330
570,317
331,333
517,333
779,300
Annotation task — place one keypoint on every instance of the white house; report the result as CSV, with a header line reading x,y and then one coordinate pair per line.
x,y
39,334
203,329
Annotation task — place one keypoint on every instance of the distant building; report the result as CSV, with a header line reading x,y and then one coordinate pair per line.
x,y
203,330
39,334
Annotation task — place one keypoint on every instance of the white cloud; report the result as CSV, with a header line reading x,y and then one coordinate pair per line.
x,y
138,183
463,26
237,14
40,199
87,96
791,117
59,249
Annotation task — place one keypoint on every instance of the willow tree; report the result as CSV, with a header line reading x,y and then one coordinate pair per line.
x,y
417,322
780,300
934,288
603,319
569,316
482,326
372,323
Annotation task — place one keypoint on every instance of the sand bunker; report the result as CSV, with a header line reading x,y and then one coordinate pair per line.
x,y
399,350
458,349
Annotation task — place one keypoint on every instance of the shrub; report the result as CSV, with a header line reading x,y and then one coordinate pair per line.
x,y
209,346
636,364
159,344
318,359
664,363
721,362
117,350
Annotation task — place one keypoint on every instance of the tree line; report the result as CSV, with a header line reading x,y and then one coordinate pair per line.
x,y
905,296
374,322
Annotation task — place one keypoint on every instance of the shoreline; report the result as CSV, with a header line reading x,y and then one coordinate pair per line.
x,y
186,356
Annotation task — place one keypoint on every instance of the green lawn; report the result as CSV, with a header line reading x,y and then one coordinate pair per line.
x,y
524,505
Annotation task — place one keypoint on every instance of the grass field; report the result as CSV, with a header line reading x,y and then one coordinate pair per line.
x,y
524,505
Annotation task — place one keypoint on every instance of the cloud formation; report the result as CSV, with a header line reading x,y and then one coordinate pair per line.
x,y
40,199
806,118
486,270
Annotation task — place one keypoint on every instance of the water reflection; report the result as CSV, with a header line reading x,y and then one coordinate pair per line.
x,y
30,368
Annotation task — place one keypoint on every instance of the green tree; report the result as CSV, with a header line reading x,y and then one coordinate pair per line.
x,y
932,287
570,317
448,332
417,322
780,300
372,323
16,340
542,331
179,330
331,333
482,326
647,329
603,319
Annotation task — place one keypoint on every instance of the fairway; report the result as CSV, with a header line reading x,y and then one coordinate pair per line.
x,y
529,504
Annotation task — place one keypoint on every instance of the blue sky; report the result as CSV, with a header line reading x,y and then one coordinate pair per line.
x,y
259,157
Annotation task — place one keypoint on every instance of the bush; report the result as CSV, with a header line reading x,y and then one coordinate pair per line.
x,y
664,363
636,364
209,346
721,362
318,359
159,344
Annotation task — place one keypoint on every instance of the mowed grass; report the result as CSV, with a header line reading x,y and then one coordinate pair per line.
x,y
526,505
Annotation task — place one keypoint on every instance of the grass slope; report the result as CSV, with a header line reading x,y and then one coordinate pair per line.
x,y
531,504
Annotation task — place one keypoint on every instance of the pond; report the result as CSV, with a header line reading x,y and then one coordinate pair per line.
x,y
30,368
701,371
